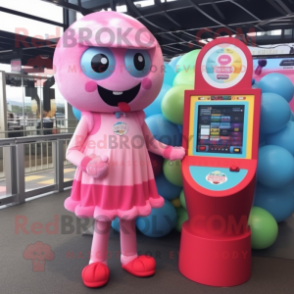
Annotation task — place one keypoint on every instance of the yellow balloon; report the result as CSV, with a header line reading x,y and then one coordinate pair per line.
x,y
172,105
176,202
187,61
185,77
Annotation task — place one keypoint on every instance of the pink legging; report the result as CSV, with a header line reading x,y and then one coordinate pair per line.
x,y
128,242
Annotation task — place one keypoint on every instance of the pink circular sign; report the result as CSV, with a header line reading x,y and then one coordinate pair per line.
x,y
224,59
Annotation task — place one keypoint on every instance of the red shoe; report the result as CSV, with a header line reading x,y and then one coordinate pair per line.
x,y
95,275
141,266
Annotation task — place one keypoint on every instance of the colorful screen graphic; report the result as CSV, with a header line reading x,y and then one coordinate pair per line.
x,y
220,129
224,66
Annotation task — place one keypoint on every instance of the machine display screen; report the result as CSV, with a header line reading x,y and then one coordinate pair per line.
x,y
220,129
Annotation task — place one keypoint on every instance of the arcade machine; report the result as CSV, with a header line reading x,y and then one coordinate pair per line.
x,y
221,130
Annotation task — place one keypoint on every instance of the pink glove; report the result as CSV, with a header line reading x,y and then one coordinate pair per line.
x,y
95,166
174,153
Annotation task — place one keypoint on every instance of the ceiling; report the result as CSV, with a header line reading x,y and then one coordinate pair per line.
x,y
183,25
26,51
180,25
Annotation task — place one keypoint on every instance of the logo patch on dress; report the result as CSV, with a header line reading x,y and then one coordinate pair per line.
x,y
216,178
120,128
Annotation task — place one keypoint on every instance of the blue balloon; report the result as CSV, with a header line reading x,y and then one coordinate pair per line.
x,y
275,166
278,202
174,62
292,117
115,224
163,130
166,189
169,74
160,222
155,106
283,138
253,82
278,84
292,188
262,139
275,113
76,113
180,128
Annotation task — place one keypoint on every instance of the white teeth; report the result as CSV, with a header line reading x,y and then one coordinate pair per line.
x,y
117,93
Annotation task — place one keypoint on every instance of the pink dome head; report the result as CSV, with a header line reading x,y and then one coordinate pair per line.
x,y
108,61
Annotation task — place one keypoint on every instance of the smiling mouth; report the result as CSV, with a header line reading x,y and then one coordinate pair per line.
x,y
113,98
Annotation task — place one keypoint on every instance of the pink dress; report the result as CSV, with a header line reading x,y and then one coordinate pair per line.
x,y
129,189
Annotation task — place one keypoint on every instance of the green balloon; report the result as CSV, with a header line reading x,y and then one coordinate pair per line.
x,y
173,171
264,228
172,105
182,217
185,77
180,210
187,61
182,199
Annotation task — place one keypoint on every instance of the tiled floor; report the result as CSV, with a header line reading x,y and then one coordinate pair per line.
x,y
33,178
62,274
39,179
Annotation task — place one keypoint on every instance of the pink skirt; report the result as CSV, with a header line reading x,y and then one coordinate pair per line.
x,y
104,202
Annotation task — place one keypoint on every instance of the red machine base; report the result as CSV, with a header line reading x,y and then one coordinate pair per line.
x,y
215,262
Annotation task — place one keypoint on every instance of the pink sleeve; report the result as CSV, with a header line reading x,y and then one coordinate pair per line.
x,y
153,145
74,153
140,117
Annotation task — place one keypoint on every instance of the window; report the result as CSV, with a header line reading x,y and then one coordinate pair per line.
x,y
122,8
28,27
144,3
5,67
79,15
35,7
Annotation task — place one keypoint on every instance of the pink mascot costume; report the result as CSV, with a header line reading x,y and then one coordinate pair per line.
x,y
110,67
